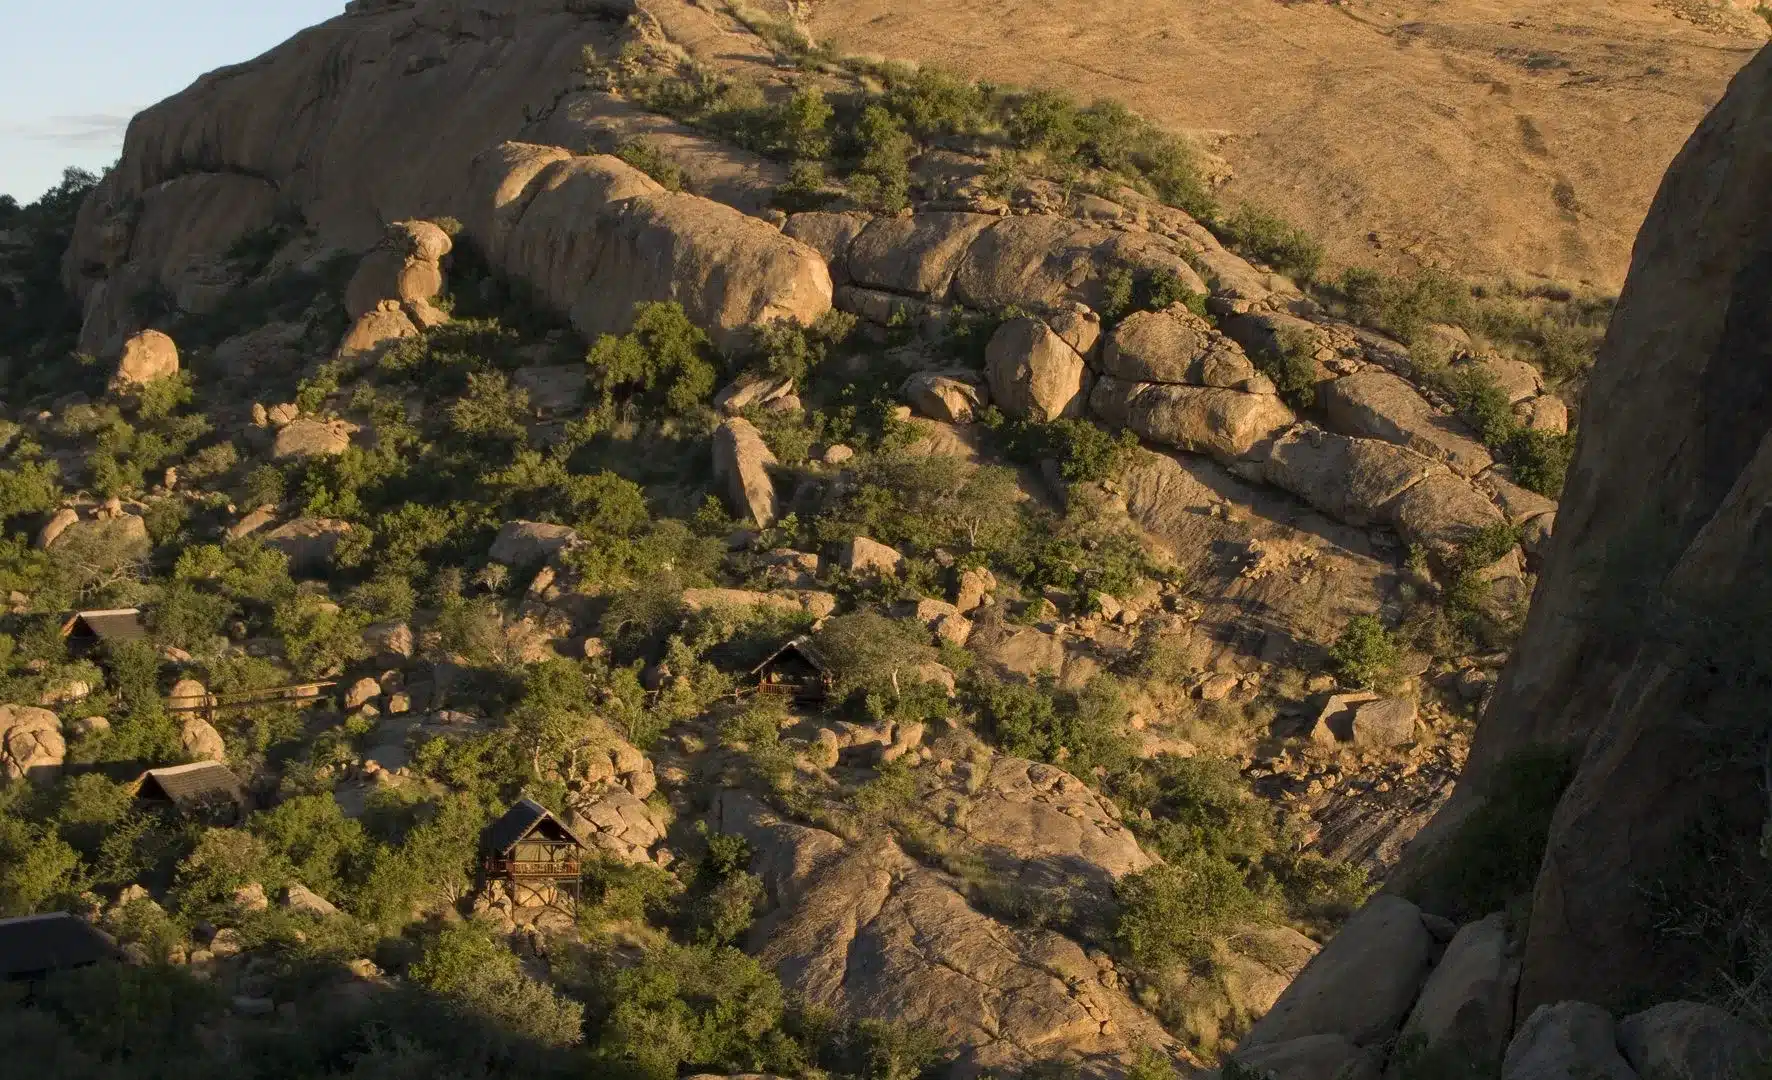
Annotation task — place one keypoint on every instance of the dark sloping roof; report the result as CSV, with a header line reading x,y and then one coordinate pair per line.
x,y
116,624
34,945
190,785
526,817
802,646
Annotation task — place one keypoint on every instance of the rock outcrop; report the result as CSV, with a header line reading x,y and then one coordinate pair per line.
x,y
222,159
527,543
1361,986
1033,373
308,542
742,461
865,929
1645,640
1177,346
596,237
31,744
147,356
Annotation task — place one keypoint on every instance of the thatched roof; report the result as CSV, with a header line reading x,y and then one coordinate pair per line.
x,y
201,783
803,648
32,946
110,626
522,821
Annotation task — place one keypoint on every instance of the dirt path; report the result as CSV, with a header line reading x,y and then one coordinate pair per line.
x,y
1491,136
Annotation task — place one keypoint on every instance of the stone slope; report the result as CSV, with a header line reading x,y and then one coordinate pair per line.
x,y
862,927
1489,136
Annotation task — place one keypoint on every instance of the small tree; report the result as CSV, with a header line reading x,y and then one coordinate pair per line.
x,y
1366,655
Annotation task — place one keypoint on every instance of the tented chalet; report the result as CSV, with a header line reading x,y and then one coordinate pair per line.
x,y
34,947
203,789
533,853
88,631
798,669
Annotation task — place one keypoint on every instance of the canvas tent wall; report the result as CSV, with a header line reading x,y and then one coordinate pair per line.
x,y
35,946
204,788
110,627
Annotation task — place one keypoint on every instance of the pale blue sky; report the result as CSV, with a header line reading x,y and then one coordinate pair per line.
x,y
72,72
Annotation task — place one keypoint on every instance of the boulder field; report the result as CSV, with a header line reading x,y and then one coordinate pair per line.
x,y
594,236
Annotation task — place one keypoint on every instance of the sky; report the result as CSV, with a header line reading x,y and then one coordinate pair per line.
x,y
72,72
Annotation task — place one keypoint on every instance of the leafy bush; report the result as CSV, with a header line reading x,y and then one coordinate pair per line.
x,y
1085,451
870,653
36,867
491,409
726,895
464,962
1081,730
28,487
43,319
662,362
711,1007
1292,367
926,501
1366,655
644,154
322,848
1197,805
1263,235
882,176
1173,912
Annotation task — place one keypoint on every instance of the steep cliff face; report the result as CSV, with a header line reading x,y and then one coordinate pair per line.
x,y
1645,648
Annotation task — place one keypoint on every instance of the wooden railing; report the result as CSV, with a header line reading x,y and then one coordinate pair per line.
x,y
533,868
246,699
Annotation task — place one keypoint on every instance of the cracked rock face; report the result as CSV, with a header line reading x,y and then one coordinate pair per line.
x,y
1042,835
867,929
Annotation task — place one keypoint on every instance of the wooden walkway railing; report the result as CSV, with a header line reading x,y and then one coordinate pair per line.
x,y
247,699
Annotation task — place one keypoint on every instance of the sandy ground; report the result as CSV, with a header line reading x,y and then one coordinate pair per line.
x,y
1486,136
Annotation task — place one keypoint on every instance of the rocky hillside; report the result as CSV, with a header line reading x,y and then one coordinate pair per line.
x,y
973,600
1491,137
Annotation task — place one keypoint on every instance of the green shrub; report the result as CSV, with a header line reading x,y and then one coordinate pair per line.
x,y
1173,912
1540,460
805,189
882,176
1085,451
43,318
644,154
1152,1064
926,501
309,833
28,487
802,125
727,895
891,1050
224,861
465,963
1292,367
870,653
1197,805
663,361
1263,235
755,731
632,892
1366,655
1080,730
714,1007
36,867
491,409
